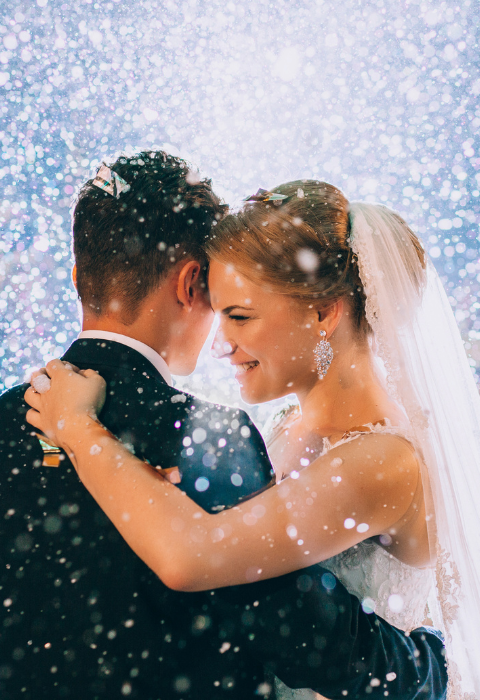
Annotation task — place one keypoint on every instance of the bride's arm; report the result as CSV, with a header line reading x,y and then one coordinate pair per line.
x,y
358,490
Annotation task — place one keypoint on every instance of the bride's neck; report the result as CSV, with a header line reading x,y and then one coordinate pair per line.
x,y
350,395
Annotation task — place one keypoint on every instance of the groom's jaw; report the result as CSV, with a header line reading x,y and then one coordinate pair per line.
x,y
191,319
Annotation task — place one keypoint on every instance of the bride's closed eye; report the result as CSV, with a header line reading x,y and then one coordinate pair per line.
x,y
238,317
230,313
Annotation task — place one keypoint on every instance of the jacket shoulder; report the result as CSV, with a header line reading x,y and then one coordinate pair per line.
x,y
12,400
17,441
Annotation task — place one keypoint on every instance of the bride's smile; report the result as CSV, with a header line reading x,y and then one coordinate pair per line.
x,y
268,338
244,367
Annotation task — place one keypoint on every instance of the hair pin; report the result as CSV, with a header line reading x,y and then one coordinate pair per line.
x,y
108,180
265,196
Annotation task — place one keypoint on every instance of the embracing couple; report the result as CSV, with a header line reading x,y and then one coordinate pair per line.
x,y
308,566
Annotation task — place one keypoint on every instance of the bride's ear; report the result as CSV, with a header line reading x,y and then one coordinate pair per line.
x,y
187,284
329,317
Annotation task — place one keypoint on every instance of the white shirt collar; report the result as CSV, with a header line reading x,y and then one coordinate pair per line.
x,y
149,353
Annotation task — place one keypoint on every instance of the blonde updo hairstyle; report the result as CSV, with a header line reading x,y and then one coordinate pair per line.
x,y
298,247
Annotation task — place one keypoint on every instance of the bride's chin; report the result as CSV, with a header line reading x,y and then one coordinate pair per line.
x,y
258,395
259,390
251,397
250,401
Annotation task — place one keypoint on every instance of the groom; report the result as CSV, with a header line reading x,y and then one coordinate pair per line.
x,y
84,618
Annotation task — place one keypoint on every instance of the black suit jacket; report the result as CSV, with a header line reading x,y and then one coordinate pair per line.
x,y
84,618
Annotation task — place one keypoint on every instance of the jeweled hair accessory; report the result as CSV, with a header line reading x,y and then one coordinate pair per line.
x,y
265,196
106,179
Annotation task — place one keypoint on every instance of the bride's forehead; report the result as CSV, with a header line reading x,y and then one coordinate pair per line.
x,y
229,287
225,279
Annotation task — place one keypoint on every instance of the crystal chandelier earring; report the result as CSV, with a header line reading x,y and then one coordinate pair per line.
x,y
323,354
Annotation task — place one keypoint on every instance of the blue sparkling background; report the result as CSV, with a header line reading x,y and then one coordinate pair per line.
x,y
378,97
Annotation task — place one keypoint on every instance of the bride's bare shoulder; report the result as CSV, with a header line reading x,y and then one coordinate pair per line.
x,y
374,463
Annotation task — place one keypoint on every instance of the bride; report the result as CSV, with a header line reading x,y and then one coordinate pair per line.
x,y
377,464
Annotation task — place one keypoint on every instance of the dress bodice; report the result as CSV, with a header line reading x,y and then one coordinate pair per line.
x,y
393,590
385,585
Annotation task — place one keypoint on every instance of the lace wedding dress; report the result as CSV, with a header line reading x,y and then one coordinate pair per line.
x,y
422,361
385,585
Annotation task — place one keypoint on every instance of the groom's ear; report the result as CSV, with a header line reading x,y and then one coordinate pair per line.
x,y
187,284
74,275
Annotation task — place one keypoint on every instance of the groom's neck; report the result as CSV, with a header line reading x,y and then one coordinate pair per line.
x,y
151,326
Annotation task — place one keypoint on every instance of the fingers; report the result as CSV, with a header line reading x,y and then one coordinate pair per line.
x,y
35,419
60,366
69,391
89,373
41,383
32,397
40,379
57,366
95,377
37,373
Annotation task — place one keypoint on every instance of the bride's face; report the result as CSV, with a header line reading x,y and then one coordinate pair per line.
x,y
269,338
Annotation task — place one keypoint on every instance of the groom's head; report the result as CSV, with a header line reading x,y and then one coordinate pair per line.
x,y
125,245
129,246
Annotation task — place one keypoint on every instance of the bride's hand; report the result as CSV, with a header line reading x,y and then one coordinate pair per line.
x,y
73,398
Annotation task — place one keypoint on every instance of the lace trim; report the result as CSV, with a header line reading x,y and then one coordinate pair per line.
x,y
360,249
384,426
372,574
449,589
455,682
276,425
359,246
448,586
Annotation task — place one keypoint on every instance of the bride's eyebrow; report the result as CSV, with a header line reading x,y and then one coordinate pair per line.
x,y
229,309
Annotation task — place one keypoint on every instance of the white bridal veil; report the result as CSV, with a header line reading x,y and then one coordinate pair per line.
x,y
428,372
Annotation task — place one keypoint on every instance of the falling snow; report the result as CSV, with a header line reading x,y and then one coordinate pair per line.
x,y
377,97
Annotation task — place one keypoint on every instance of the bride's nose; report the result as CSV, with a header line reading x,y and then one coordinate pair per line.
x,y
221,347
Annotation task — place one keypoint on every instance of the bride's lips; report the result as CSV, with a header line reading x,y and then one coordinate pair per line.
x,y
244,368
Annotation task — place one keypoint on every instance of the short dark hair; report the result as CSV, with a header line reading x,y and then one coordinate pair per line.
x,y
123,246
